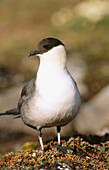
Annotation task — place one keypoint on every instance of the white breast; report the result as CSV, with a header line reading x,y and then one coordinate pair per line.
x,y
59,98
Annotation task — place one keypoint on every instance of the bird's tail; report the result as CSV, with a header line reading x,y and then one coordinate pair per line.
x,y
14,112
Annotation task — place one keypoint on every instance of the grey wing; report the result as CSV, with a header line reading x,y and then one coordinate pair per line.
x,y
27,91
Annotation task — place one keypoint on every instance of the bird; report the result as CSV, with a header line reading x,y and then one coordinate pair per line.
x,y
52,98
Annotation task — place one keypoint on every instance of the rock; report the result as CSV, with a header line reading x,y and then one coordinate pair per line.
x,y
93,117
78,69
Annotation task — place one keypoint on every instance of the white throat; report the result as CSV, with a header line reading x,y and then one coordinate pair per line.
x,y
51,69
55,56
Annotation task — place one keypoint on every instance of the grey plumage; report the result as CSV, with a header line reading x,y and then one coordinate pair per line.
x,y
27,92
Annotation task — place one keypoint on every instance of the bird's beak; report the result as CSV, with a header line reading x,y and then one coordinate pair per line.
x,y
35,52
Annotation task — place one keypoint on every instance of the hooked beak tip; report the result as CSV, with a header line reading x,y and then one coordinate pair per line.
x,y
35,52
29,55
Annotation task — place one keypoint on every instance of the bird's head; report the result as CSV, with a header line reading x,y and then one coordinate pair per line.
x,y
50,50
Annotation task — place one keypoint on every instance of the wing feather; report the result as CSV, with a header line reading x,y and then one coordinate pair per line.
x,y
26,93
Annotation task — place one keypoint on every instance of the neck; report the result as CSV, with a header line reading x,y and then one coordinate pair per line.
x,y
49,71
49,68
55,57
52,63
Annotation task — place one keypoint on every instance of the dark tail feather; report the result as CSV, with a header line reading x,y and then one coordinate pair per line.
x,y
16,117
13,112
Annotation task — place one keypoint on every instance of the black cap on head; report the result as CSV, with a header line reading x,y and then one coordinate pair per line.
x,y
45,45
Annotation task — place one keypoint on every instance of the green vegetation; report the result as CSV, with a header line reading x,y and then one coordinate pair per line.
x,y
79,154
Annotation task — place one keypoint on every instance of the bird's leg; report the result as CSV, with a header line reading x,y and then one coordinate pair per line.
x,y
59,147
40,138
58,133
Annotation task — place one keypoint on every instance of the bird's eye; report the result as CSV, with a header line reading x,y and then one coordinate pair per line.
x,y
48,47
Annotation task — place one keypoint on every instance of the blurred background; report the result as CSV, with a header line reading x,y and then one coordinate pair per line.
x,y
83,26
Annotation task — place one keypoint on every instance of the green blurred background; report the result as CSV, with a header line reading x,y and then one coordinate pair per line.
x,y
83,26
